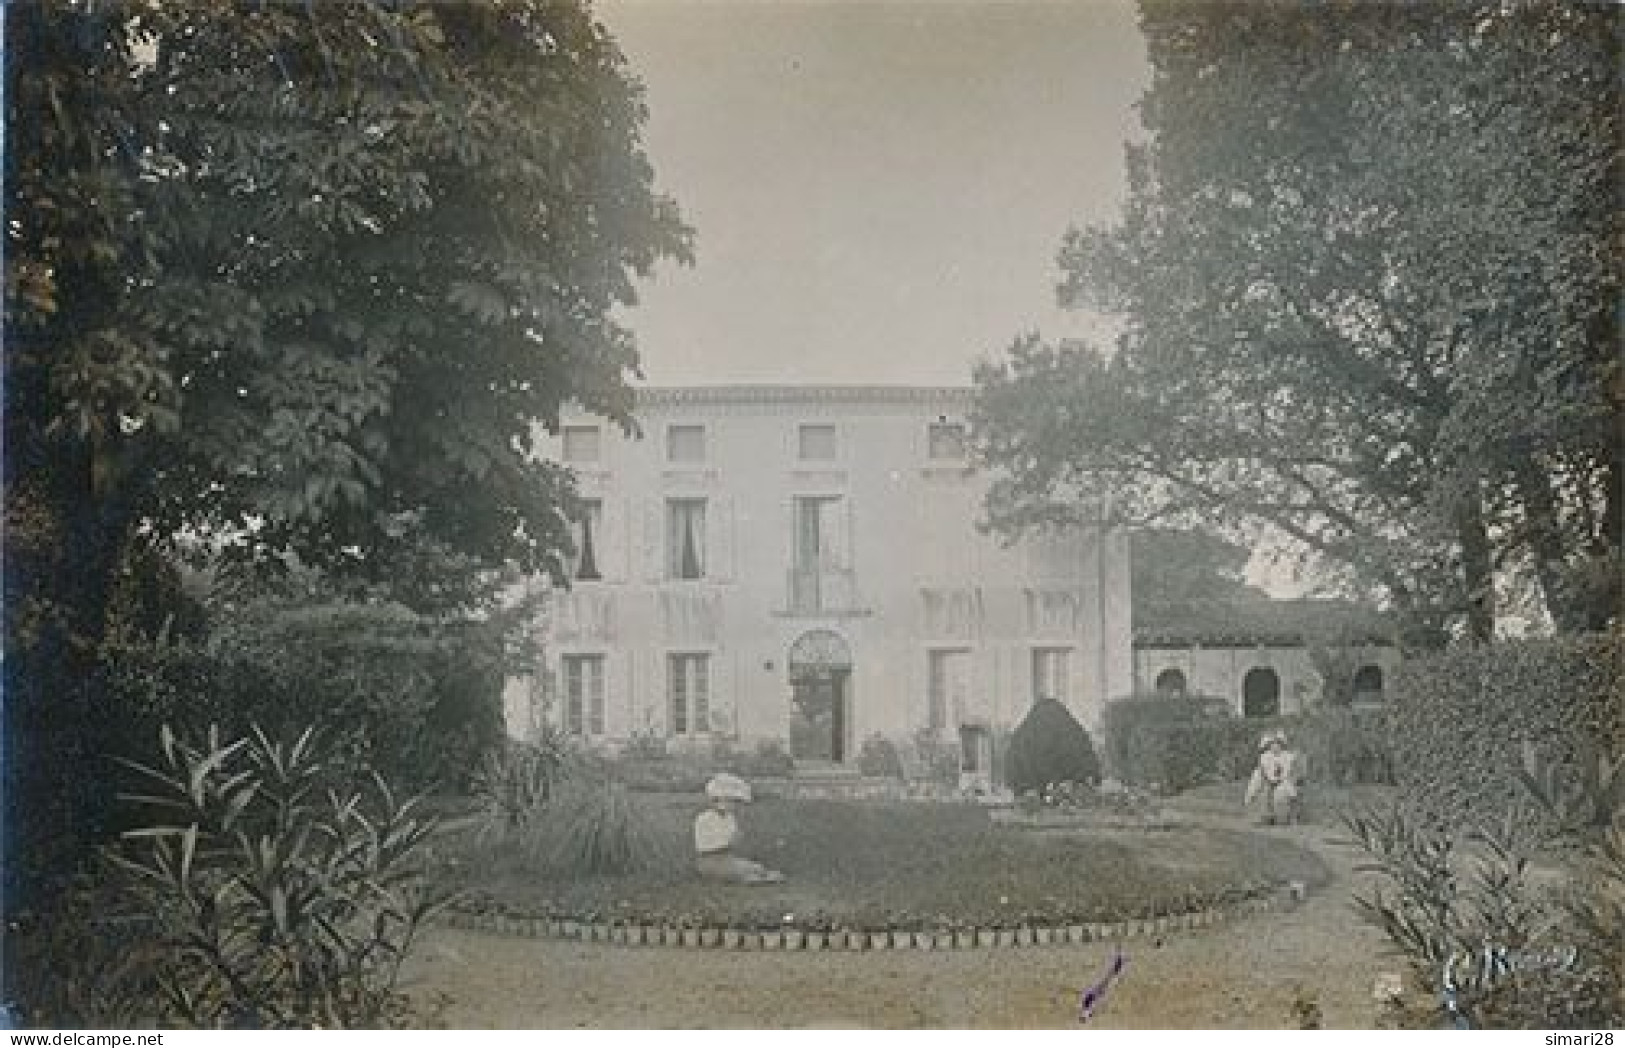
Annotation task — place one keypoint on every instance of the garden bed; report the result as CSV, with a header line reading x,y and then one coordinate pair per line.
x,y
888,866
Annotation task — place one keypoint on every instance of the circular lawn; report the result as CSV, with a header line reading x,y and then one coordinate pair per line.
x,y
877,865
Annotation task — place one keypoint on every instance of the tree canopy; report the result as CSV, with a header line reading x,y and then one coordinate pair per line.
x,y
1368,268
297,284
302,278
1171,567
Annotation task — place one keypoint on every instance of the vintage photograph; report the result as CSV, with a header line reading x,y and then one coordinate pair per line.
x,y
813,514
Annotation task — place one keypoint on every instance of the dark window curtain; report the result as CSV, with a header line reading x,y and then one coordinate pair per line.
x,y
587,566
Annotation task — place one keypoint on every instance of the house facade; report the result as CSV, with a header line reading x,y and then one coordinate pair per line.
x,y
802,564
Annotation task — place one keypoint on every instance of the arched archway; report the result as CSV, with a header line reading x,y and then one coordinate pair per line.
x,y
1171,681
1261,693
1368,684
820,667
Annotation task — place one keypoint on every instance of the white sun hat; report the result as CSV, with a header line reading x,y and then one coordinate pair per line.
x,y
727,787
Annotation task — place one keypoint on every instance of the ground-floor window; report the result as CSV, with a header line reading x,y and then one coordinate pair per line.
x,y
947,679
688,691
1050,673
584,694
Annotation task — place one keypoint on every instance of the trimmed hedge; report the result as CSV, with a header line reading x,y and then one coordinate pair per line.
x,y
419,701
1462,720
1049,746
1174,741
1177,742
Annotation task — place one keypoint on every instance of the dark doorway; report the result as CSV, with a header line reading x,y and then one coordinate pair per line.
x,y
818,717
1261,693
820,697
1368,684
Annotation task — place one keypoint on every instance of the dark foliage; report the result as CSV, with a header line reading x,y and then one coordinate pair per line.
x,y
1174,742
1466,723
1049,746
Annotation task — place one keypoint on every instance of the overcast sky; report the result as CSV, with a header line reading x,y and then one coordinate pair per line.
x,y
878,189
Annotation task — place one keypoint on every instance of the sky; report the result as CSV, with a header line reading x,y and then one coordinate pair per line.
x,y
878,189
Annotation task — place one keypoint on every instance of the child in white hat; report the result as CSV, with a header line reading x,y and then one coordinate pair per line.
x,y
1275,780
716,830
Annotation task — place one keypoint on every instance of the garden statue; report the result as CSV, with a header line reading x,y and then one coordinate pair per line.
x,y
716,829
1276,781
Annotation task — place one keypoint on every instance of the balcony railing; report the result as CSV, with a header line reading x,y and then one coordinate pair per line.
x,y
822,591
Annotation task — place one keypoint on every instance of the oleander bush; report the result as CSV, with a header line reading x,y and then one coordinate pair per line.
x,y
270,884
1049,746
1490,945
1463,723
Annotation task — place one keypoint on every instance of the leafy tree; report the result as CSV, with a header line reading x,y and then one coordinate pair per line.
x,y
1368,268
298,283
1173,567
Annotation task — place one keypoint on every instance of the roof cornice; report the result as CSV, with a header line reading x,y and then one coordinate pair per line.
x,y
660,396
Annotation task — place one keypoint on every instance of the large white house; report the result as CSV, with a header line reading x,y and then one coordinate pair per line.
x,y
803,564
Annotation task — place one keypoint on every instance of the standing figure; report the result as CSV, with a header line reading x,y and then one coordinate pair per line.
x,y
1276,781
716,830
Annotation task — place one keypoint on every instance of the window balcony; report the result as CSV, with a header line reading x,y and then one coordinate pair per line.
x,y
823,591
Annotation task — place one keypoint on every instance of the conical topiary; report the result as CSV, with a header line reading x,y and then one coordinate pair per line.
x,y
1049,746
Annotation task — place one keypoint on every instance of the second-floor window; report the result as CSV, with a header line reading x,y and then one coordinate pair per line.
x,y
815,442
685,443
589,529
688,689
946,441
820,533
685,539
584,694
583,444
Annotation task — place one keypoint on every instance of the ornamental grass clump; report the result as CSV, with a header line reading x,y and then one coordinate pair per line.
x,y
597,828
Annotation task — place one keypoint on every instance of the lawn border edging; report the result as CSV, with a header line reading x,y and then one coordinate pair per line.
x,y
717,936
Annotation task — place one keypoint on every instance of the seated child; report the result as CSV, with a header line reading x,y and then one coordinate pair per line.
x,y
716,830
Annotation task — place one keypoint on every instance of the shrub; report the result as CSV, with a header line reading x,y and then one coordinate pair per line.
x,y
1498,950
420,699
645,746
516,780
1463,722
279,881
1175,741
769,760
878,757
1049,746
938,760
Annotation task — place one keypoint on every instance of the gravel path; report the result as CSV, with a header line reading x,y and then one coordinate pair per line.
x,y
1245,974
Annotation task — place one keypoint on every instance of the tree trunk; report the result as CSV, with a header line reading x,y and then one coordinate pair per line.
x,y
1564,601
1477,568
